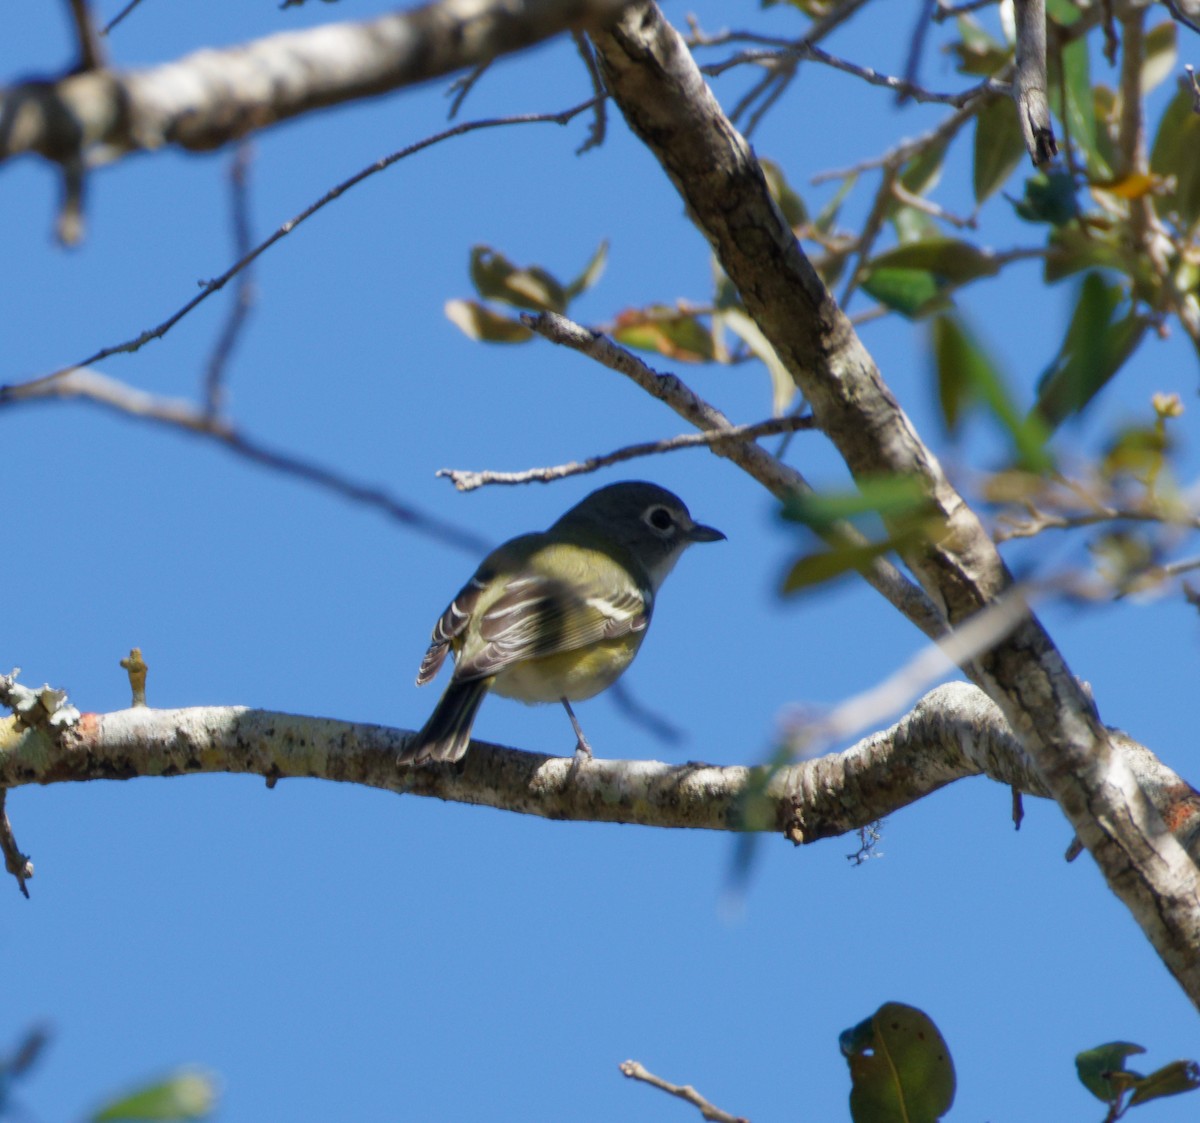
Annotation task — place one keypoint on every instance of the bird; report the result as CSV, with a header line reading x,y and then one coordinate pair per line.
x,y
556,615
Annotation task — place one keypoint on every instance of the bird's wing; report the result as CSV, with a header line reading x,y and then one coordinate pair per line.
x,y
450,625
537,615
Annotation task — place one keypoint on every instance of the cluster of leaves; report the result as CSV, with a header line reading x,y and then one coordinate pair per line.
x,y
683,332
901,1071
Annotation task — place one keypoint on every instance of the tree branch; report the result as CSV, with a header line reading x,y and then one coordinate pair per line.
x,y
212,97
952,733
655,82
176,413
468,481
635,1070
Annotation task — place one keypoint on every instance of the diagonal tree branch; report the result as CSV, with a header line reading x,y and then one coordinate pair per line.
x,y
662,94
215,96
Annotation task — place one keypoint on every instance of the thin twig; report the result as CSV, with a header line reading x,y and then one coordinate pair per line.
x,y
637,1071
120,16
218,283
15,862
91,53
867,73
916,47
243,296
92,386
463,85
771,87
469,481
1172,6
599,128
864,243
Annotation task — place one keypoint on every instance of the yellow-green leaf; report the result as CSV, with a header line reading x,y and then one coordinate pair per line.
x,y
783,386
184,1095
477,321
679,335
999,147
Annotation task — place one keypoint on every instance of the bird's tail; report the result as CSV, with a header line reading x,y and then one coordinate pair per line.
x,y
447,733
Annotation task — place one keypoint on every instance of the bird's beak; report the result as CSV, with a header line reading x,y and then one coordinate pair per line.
x,y
698,532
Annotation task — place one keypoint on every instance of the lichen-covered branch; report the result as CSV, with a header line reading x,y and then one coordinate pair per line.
x,y
659,89
953,732
215,96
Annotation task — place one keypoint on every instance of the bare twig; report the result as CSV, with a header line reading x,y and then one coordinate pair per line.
x,y
91,385
469,481
1039,521
916,47
636,1071
599,128
243,296
902,86
906,150
1181,16
218,283
780,479
91,53
463,85
15,862
120,15
771,86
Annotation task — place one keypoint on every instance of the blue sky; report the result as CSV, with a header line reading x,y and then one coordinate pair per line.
x,y
342,953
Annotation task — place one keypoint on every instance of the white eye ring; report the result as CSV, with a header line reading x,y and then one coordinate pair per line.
x,y
660,520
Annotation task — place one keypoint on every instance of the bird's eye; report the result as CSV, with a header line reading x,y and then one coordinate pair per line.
x,y
660,518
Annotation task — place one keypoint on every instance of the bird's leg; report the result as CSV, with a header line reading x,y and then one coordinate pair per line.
x,y
583,751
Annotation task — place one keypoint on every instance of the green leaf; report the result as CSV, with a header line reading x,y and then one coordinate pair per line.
x,y
1069,73
828,565
889,497
496,278
476,321
912,225
911,292
977,52
592,272
790,204
184,1095
1072,250
679,335
829,212
1160,51
1170,1080
923,171
1049,197
999,147
783,386
966,374
1098,1066
1174,154
900,1067
949,259
1094,349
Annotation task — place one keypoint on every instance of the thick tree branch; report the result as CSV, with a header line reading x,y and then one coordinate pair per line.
x,y
952,733
662,94
215,96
